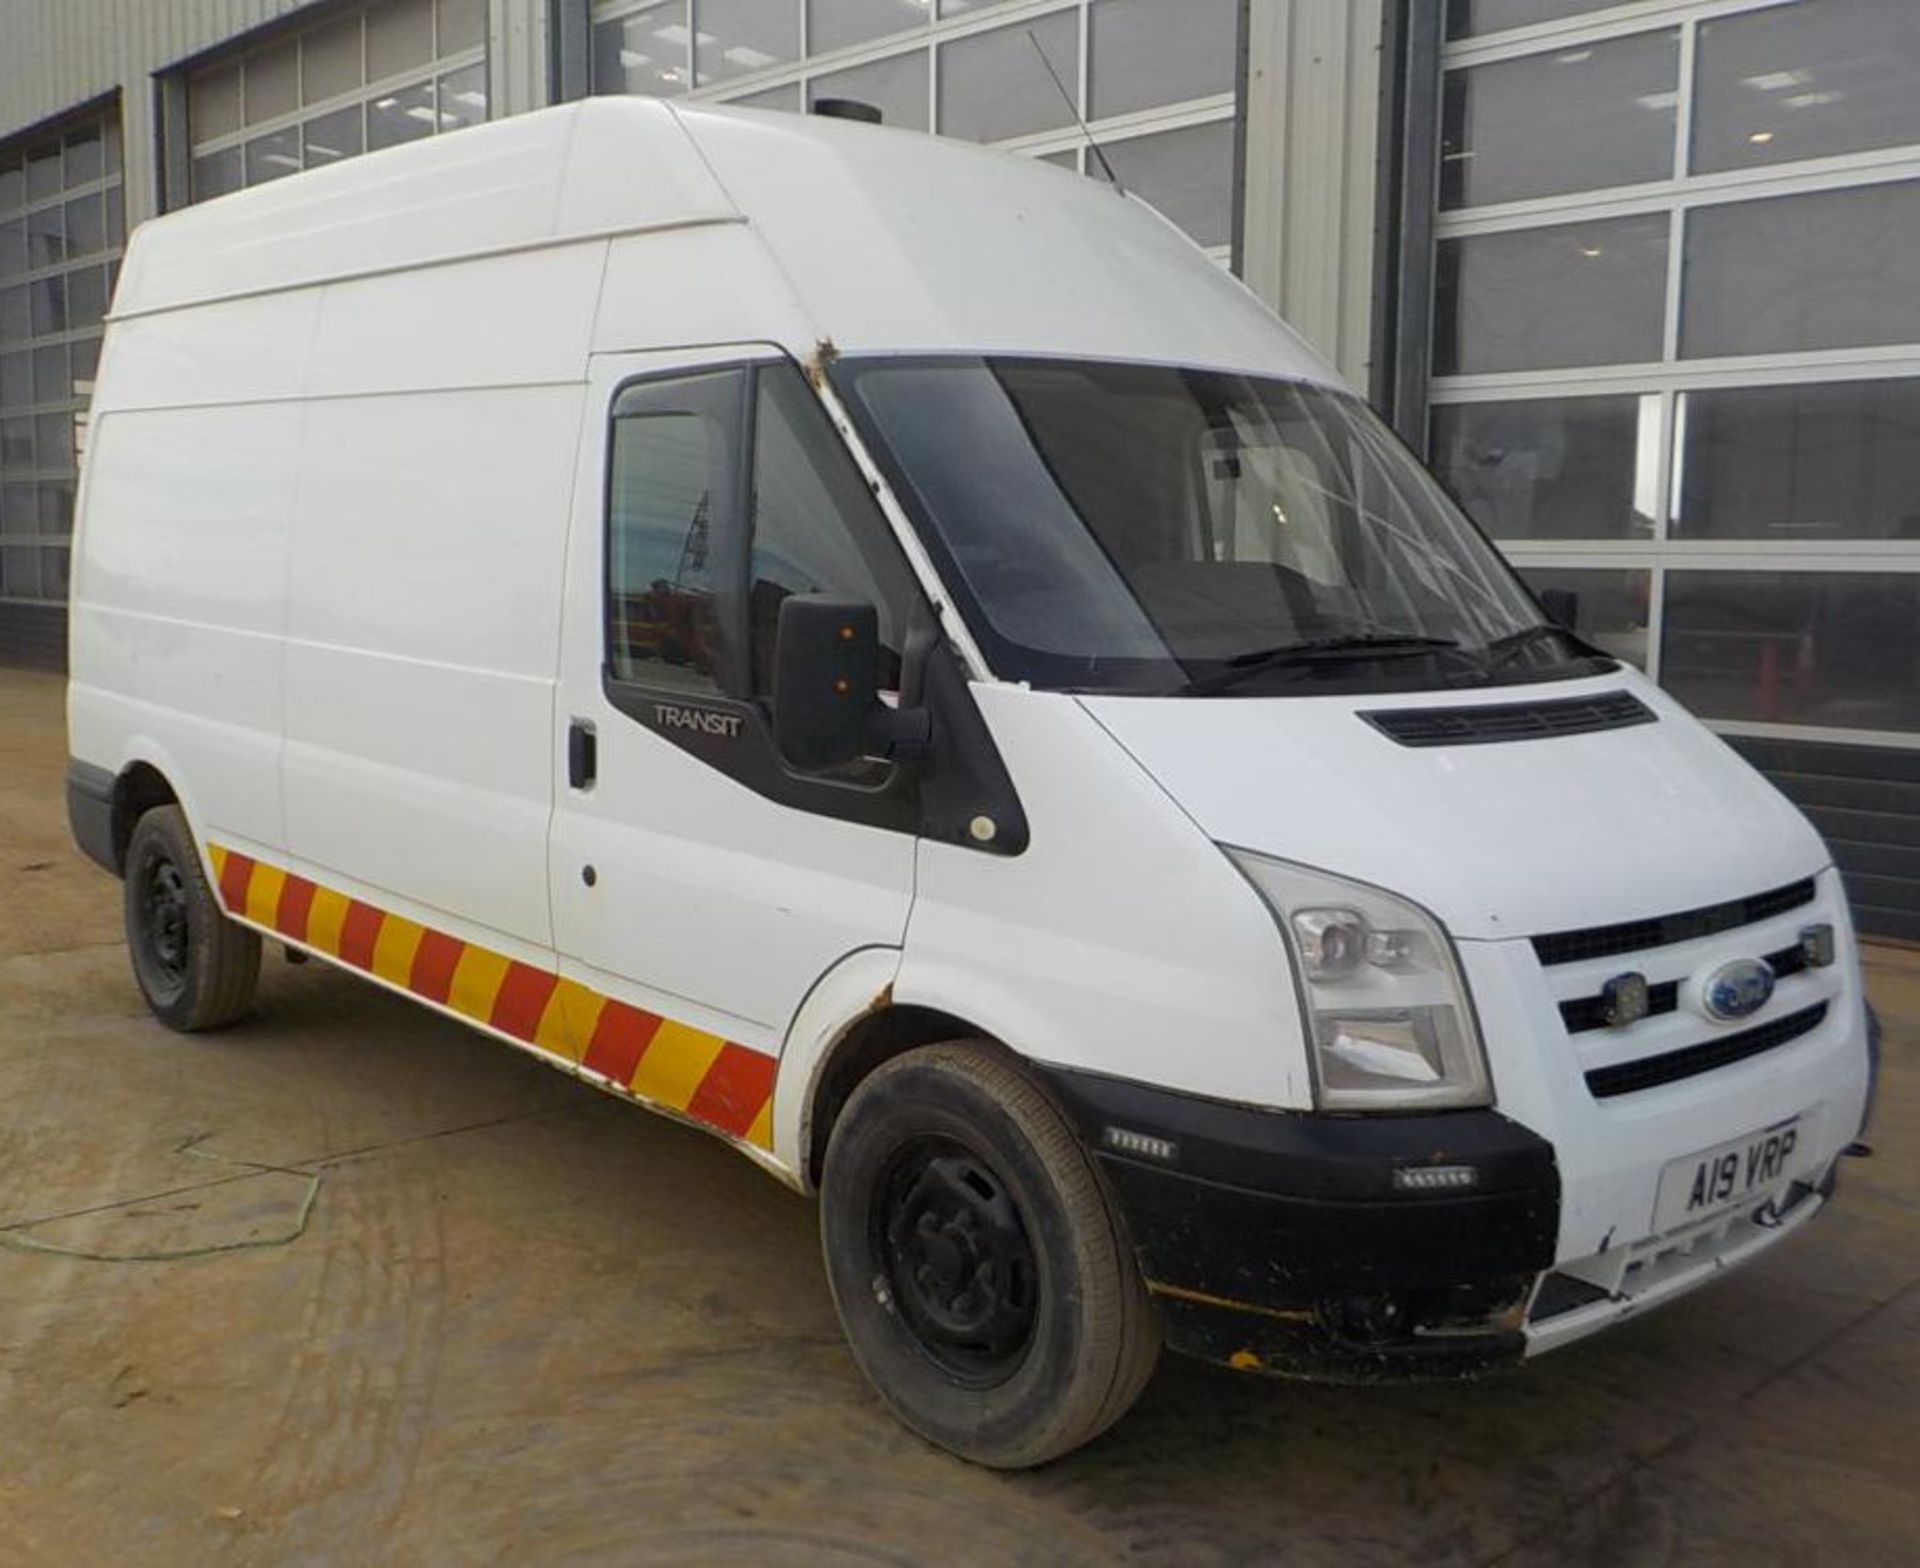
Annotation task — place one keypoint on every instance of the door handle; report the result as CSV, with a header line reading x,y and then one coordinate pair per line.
x,y
583,754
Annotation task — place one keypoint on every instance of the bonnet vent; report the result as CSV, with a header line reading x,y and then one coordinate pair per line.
x,y
1484,726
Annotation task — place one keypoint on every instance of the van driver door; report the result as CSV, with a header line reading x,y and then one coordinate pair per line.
x,y
700,888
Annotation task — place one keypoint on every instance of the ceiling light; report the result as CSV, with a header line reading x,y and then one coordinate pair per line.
x,y
1761,138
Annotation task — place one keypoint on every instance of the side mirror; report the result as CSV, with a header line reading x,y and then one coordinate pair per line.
x,y
827,711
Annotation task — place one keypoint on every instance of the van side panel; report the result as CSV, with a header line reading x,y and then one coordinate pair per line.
x,y
177,612
422,641
179,585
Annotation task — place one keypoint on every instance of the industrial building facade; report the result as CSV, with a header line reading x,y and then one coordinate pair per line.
x,y
1638,277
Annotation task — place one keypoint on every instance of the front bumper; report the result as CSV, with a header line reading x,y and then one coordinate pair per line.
x,y
1281,1242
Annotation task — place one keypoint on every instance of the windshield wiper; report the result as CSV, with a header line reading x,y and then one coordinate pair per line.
x,y
1353,647
1502,651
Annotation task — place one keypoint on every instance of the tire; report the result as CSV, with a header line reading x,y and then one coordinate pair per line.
x,y
196,968
976,1263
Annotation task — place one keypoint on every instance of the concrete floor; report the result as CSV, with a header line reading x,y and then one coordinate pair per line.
x,y
528,1325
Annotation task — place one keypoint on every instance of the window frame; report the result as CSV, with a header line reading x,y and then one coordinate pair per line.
x,y
731,727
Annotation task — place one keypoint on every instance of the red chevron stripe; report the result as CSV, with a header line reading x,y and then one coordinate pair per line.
x,y
433,964
620,1039
234,877
296,903
735,1088
522,999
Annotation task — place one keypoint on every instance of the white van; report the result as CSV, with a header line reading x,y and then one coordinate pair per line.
x,y
881,650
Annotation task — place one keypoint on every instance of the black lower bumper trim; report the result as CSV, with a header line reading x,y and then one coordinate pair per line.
x,y
90,813
1285,1241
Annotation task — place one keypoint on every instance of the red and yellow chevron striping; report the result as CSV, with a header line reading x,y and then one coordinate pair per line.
x,y
729,1087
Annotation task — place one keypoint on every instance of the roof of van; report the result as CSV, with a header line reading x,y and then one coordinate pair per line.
x,y
891,240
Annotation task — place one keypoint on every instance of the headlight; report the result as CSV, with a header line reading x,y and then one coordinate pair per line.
x,y
1386,1009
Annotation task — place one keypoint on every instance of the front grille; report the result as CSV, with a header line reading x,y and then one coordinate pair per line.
x,y
1582,1013
1507,721
1690,1061
1633,936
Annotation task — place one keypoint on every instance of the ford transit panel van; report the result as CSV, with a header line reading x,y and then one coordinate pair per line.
x,y
881,650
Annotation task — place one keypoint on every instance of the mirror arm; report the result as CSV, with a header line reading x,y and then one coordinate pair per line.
x,y
897,734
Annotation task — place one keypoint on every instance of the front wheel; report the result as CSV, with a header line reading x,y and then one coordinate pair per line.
x,y
196,968
977,1268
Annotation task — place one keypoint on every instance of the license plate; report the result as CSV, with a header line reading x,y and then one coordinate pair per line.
x,y
1724,1176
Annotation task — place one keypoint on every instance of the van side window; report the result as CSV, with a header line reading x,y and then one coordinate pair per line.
x,y
669,505
816,528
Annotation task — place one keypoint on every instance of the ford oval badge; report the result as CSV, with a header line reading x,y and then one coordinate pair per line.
x,y
1739,989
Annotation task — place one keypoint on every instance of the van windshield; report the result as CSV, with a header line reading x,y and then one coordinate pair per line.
x,y
1155,529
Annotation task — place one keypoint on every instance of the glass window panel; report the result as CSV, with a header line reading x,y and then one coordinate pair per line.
x,y
1834,269
86,359
51,380
330,61
273,156
1553,468
1069,160
1608,608
399,37
16,375
13,247
1567,120
333,137
53,573
644,54
46,237
43,172
1835,461
49,305
16,444
56,507
402,116
20,572
835,24
463,98
1145,53
115,201
271,82
897,87
19,510
1187,174
1831,648
86,297
86,225
995,85
785,98
16,313
213,103
85,161
738,37
1469,18
462,25
53,441
660,574
1572,294
1806,81
13,184
216,174
815,527
112,146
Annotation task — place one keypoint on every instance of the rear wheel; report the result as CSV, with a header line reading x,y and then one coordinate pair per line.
x,y
196,968
978,1270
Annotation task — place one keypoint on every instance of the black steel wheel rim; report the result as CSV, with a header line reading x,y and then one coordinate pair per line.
x,y
164,899
956,1260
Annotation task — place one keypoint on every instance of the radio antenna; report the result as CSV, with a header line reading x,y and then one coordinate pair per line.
x,y
1073,109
